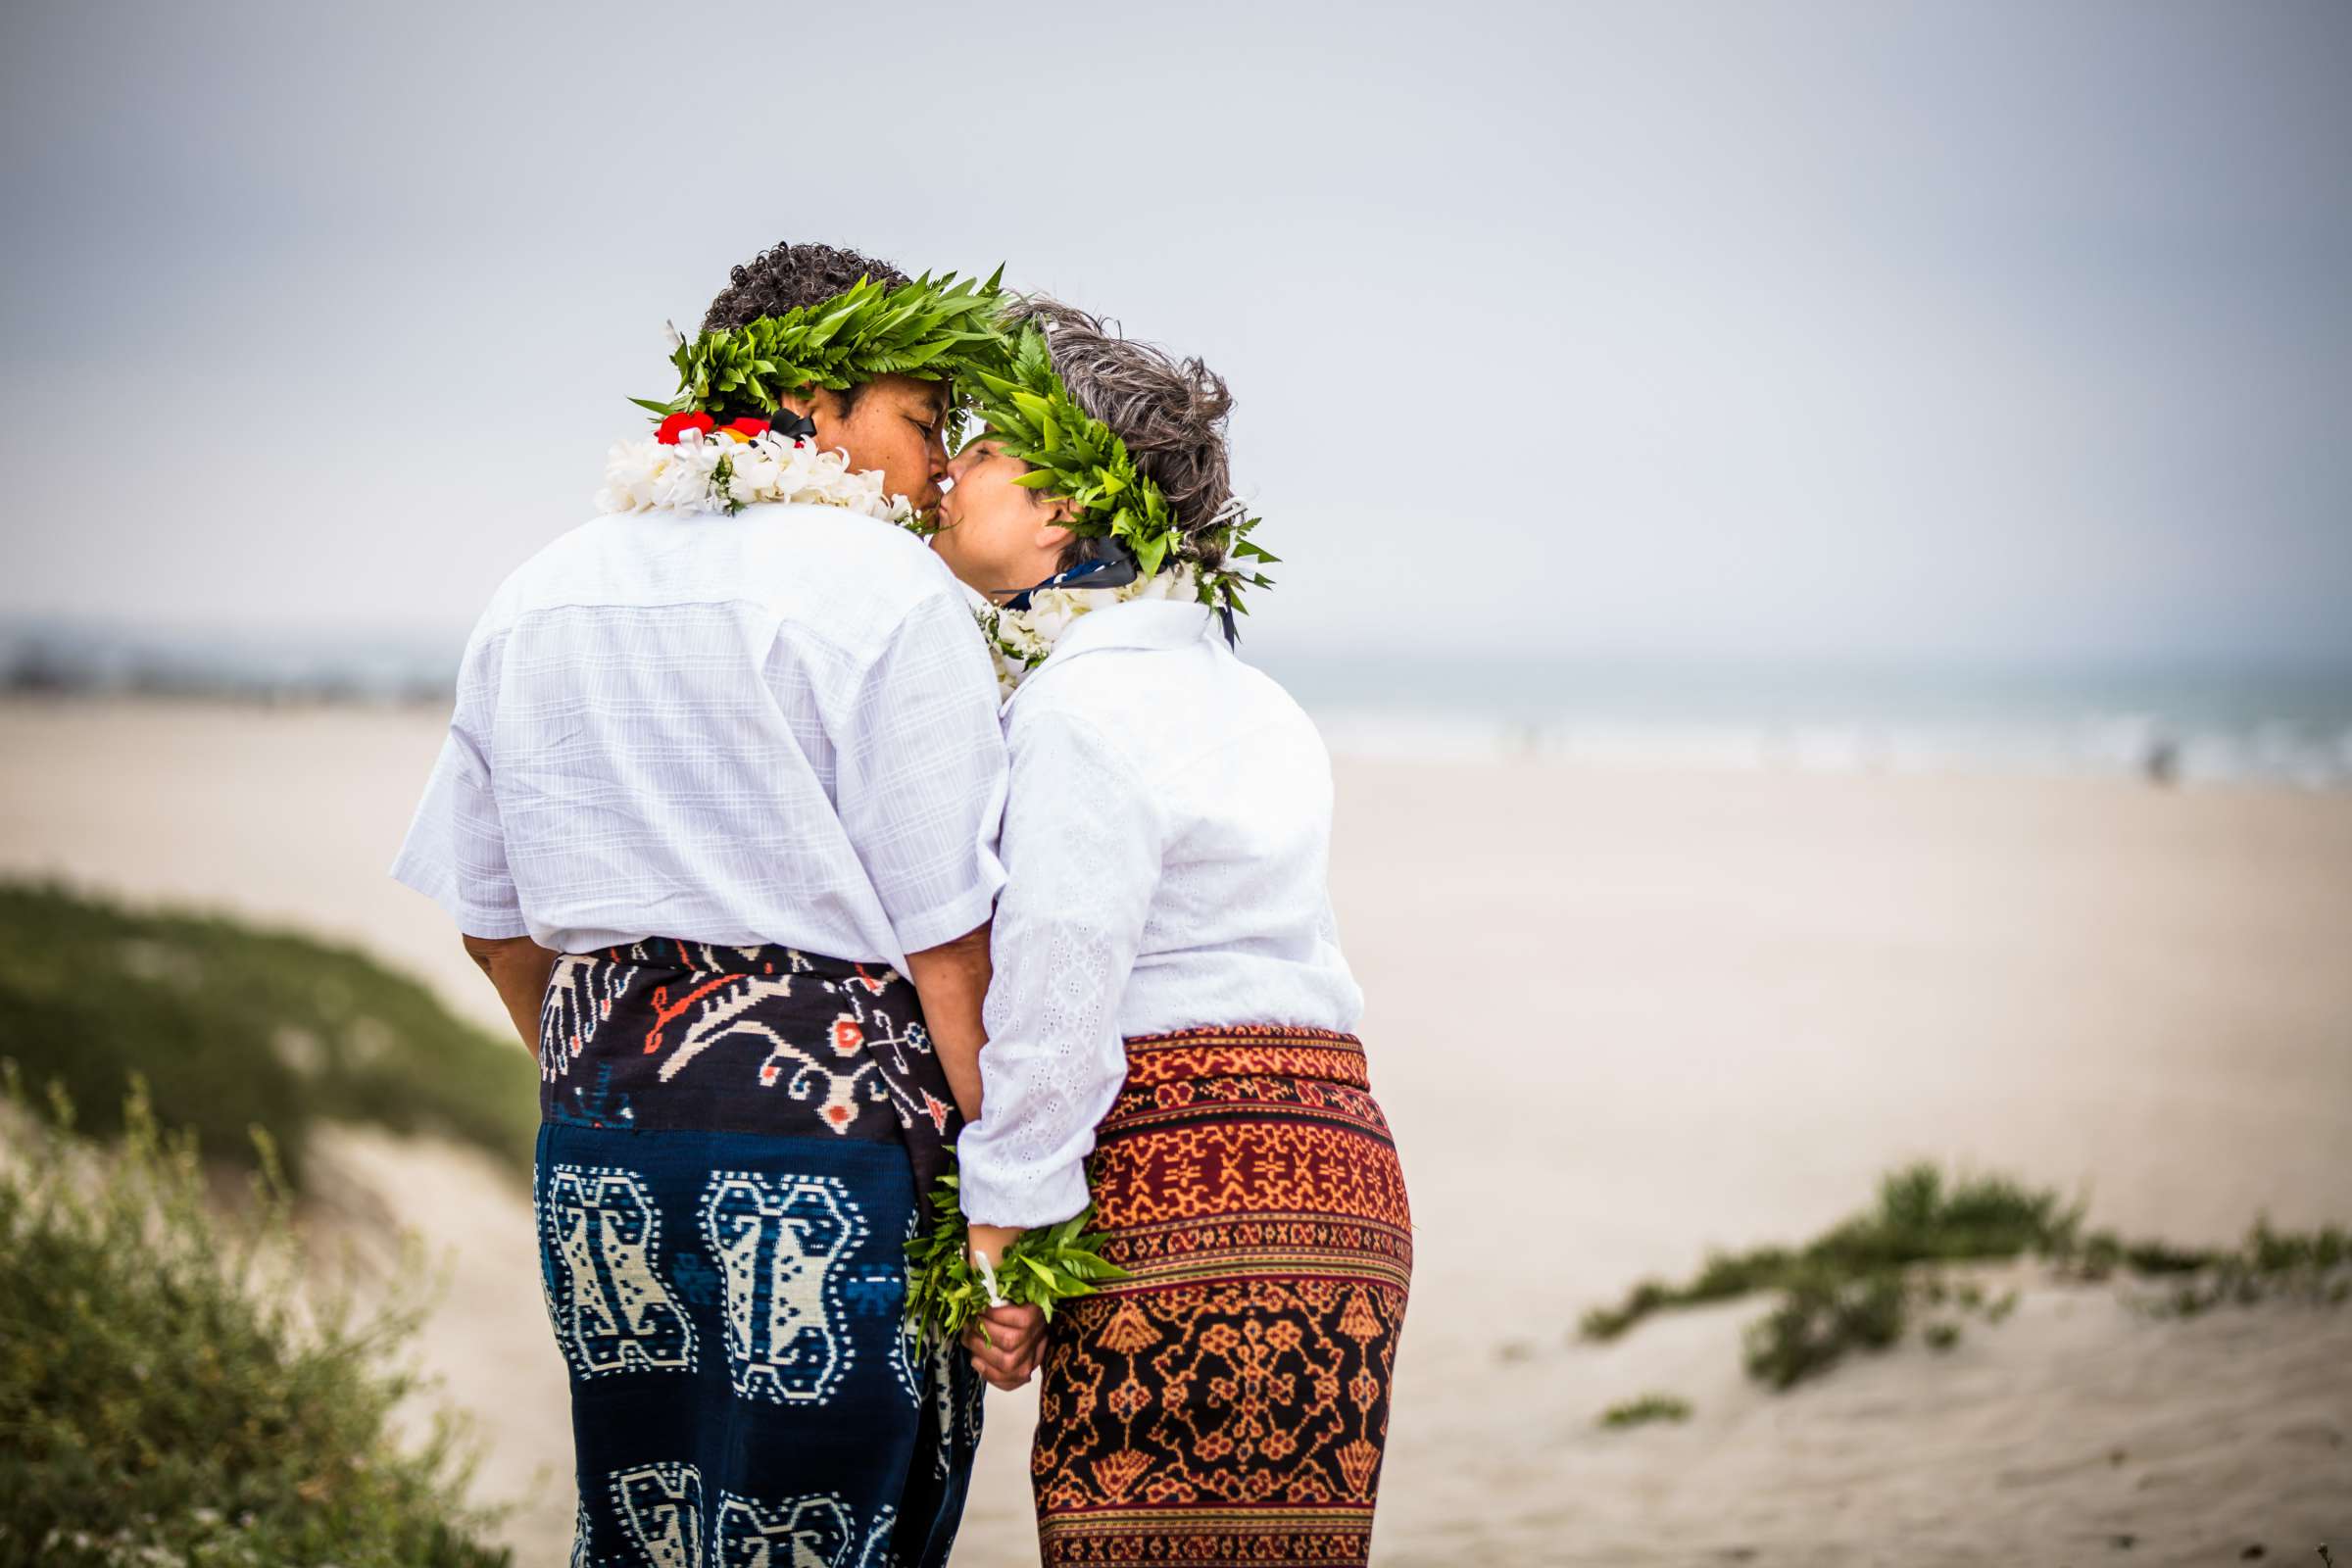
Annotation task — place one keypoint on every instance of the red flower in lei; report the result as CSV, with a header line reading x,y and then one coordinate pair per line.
x,y
678,425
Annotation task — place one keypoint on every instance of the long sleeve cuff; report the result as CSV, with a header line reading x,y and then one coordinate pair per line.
x,y
1034,1196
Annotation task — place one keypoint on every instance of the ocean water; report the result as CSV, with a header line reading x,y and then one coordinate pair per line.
x,y
2185,726
2188,725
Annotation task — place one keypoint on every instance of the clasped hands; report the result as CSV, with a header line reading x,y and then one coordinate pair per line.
x,y
1004,1342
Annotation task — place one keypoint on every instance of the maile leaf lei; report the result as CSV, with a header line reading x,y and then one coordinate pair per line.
x,y
945,1292
1031,416
933,329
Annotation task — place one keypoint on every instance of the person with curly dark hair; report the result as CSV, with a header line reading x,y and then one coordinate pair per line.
x,y
716,814
792,277
894,426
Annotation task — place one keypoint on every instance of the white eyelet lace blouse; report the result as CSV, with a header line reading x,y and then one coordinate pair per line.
x,y
1167,845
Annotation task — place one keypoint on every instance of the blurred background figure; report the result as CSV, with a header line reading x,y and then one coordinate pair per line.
x,y
1764,493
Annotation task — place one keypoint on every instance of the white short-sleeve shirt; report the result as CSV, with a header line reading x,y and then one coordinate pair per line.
x,y
776,727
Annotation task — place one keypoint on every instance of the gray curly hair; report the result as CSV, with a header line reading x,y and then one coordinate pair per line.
x,y
1172,413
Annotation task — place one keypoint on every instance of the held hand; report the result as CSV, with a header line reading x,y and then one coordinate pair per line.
x,y
1007,1340
1007,1353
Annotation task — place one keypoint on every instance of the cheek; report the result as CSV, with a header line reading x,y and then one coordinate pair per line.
x,y
987,507
888,442
901,455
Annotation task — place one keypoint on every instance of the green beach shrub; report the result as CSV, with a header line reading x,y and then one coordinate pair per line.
x,y
1862,1283
1920,1219
233,1027
169,1394
1645,1410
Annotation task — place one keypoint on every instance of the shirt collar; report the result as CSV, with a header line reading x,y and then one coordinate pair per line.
x,y
1139,623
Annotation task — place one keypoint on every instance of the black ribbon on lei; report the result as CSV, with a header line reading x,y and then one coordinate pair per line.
x,y
1116,570
792,426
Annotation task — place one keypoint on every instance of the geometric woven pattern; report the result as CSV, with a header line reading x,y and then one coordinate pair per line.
x,y
601,1260
726,1182
1229,1400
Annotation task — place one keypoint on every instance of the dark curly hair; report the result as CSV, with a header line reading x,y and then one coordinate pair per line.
x,y
787,276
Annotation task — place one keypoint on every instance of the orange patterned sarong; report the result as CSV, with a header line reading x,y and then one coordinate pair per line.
x,y
1229,1401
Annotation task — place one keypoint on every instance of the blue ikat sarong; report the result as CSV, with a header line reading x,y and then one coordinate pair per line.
x,y
729,1299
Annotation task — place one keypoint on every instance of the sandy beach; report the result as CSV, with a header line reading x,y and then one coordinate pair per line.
x,y
1616,1017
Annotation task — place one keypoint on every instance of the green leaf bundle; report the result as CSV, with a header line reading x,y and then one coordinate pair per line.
x,y
1044,1267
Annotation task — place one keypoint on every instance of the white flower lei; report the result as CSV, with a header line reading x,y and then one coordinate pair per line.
x,y
725,473
1018,640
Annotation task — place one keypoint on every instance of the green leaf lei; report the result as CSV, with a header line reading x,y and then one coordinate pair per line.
x,y
1031,416
946,1293
935,329
945,330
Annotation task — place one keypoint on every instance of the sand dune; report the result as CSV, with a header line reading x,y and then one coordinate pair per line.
x,y
1616,1019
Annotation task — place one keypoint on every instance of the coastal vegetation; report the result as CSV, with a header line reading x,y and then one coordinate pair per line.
x,y
182,1378
179,1384
1644,1410
234,1027
1867,1282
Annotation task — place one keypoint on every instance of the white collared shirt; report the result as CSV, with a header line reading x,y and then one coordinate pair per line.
x,y
774,727
1168,843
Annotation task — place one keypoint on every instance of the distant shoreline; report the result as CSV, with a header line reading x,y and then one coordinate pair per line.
x,y
2119,746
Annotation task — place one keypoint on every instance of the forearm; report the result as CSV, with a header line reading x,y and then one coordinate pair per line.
x,y
517,967
951,981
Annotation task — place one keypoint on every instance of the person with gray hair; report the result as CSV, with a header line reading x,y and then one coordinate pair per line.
x,y
1169,1026
1170,416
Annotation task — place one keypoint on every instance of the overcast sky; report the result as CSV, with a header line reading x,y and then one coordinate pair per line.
x,y
1912,333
